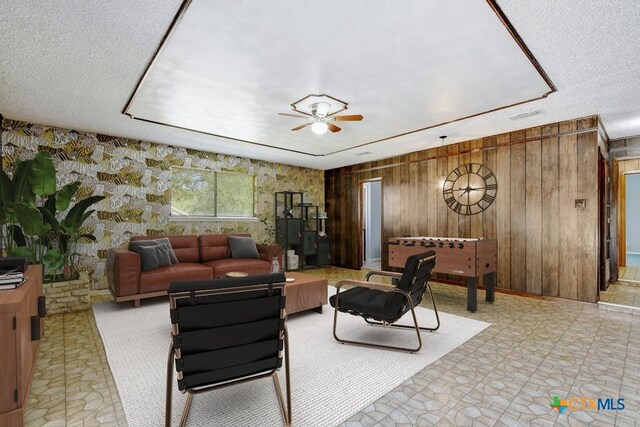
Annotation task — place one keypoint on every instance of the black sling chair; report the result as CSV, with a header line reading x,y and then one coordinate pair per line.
x,y
386,304
227,331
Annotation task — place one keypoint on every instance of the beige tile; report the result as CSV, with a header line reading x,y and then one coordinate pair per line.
x,y
506,375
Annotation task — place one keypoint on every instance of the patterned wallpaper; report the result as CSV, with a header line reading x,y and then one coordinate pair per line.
x,y
135,178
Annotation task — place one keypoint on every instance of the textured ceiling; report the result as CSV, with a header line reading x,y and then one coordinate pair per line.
x,y
76,64
228,68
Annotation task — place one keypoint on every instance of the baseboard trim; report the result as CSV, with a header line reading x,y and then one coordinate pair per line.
x,y
618,307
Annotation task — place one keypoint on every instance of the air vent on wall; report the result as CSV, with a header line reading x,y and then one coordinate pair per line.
x,y
525,115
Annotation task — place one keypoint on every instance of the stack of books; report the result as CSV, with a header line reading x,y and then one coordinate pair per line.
x,y
11,279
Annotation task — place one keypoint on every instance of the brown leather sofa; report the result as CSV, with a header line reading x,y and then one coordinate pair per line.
x,y
200,258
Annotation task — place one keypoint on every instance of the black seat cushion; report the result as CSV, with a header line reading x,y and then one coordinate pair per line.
x,y
370,303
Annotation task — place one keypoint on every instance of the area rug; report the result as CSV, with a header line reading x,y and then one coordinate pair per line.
x,y
330,381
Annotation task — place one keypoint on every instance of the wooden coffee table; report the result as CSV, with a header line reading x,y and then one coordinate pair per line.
x,y
308,292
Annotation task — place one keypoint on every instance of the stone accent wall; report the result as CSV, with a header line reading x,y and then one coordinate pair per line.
x,y
65,297
135,178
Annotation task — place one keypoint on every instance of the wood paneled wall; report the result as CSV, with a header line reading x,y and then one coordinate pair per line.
x,y
545,244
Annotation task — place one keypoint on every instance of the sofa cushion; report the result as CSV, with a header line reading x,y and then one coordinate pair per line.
x,y
134,244
243,247
160,278
215,246
185,247
153,256
251,266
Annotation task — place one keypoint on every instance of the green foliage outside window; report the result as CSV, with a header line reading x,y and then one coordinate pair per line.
x,y
200,192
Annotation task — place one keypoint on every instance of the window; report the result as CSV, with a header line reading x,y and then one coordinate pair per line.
x,y
207,193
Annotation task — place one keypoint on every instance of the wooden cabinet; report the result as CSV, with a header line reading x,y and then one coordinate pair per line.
x,y
21,326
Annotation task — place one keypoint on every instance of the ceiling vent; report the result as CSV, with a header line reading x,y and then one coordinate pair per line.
x,y
363,153
525,115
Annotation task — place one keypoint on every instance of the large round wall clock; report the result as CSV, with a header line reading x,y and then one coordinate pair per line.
x,y
470,188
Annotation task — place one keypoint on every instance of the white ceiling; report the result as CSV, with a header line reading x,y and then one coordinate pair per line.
x,y
228,68
403,65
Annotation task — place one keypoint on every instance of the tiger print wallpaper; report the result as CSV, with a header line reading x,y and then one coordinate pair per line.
x,y
135,178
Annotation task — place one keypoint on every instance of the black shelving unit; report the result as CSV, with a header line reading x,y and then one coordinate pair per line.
x,y
299,228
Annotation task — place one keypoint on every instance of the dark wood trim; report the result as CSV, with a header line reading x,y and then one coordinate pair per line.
x,y
503,19
172,26
438,125
439,155
602,222
603,132
622,221
615,219
225,137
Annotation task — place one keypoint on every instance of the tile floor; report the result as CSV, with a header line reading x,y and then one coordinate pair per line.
x,y
631,272
373,264
507,375
622,293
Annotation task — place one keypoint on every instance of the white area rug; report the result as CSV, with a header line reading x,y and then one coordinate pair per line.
x,y
330,382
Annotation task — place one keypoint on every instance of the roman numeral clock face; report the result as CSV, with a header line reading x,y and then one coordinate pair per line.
x,y
470,188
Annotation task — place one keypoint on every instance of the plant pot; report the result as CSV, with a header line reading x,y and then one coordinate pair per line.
x,y
68,296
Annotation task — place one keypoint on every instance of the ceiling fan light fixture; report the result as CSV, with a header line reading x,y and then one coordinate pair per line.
x,y
320,109
319,128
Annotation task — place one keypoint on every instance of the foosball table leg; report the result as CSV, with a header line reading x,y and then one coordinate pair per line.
x,y
472,294
490,284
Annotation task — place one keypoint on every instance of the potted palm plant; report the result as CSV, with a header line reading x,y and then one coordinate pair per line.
x,y
44,224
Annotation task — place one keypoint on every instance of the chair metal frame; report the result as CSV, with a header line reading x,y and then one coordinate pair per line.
x,y
386,288
285,407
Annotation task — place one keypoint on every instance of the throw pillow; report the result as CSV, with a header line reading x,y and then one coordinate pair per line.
x,y
152,257
243,247
164,240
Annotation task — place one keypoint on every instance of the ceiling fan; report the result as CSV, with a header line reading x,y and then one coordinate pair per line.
x,y
320,120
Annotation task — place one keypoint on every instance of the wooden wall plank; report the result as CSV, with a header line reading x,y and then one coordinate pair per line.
x,y
550,213
489,157
452,217
518,230
417,202
503,212
568,271
433,197
464,221
587,236
534,216
476,156
443,210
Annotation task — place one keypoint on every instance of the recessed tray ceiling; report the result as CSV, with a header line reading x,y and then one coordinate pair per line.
x,y
227,68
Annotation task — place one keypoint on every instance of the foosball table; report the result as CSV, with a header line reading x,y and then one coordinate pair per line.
x,y
470,258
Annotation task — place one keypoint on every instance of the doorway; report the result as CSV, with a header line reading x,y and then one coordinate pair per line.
x,y
371,220
632,220
626,201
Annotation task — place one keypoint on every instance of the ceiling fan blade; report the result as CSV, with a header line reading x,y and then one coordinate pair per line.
x,y
292,115
349,118
301,126
333,128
